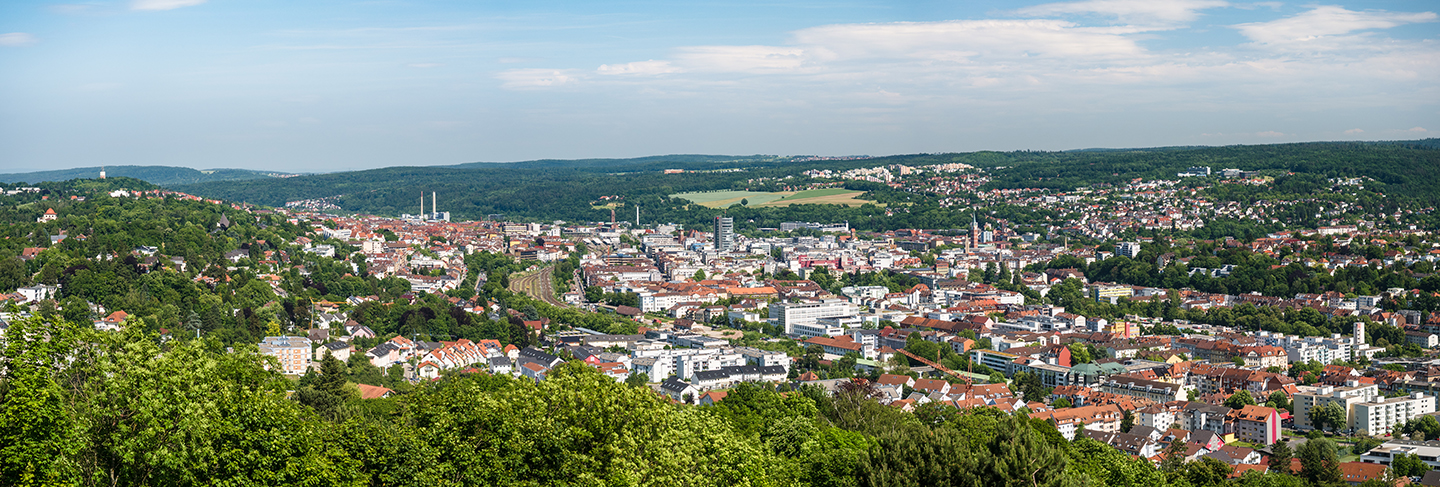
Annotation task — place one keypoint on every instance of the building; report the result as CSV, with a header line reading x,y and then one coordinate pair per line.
x,y
1428,451
1256,424
788,315
1110,293
292,352
1380,417
724,233
1421,338
1127,249
1161,392
1069,421
1344,397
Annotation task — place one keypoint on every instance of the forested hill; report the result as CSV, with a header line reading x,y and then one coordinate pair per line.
x,y
614,163
567,190
160,175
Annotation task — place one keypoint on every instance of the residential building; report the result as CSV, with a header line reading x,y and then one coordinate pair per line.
x,y
292,352
1256,424
1069,421
1345,397
1383,416
1161,392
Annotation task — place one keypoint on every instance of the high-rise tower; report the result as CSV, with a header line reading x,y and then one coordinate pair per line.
x,y
724,233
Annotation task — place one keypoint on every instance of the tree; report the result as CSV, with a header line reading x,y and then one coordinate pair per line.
x,y
1079,353
638,379
1327,415
37,433
329,391
361,371
699,275
1427,426
1174,457
1029,385
1318,462
1280,454
1206,471
594,294
1278,400
1409,465
1239,400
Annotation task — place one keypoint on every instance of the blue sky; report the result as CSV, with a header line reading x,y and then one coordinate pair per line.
x,y
329,85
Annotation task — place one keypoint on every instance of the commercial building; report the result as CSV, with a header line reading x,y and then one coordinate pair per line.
x,y
724,233
1428,451
806,313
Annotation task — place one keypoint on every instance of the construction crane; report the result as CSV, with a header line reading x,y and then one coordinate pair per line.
x,y
937,366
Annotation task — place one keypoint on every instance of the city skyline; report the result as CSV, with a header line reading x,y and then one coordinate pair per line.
x,y
334,86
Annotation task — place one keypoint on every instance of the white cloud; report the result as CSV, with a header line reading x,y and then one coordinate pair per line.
x,y
1162,11
1327,21
1354,131
163,4
537,78
1269,133
17,39
1418,130
958,41
643,68
742,58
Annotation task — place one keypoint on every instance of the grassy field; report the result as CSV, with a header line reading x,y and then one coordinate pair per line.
x,y
721,199
829,196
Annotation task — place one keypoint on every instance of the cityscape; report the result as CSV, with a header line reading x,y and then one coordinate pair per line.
x,y
1104,243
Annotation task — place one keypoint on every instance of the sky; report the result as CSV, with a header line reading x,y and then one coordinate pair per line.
x,y
331,85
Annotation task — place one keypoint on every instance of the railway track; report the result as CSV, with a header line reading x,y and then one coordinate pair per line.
x,y
539,285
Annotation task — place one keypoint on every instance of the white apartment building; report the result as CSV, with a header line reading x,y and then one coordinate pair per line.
x,y
1127,249
788,315
1383,415
683,362
1345,397
292,352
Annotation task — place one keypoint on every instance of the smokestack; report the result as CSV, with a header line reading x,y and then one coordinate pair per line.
x,y
422,205
637,216
434,209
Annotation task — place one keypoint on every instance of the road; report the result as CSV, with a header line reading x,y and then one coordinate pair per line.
x,y
538,285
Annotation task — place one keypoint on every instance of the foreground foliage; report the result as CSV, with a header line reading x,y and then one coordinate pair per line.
x,y
79,407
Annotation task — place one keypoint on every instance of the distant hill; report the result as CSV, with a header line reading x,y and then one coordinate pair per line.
x,y
684,159
588,190
158,175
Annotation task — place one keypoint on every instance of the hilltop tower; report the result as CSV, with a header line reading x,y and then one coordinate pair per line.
x,y
102,172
